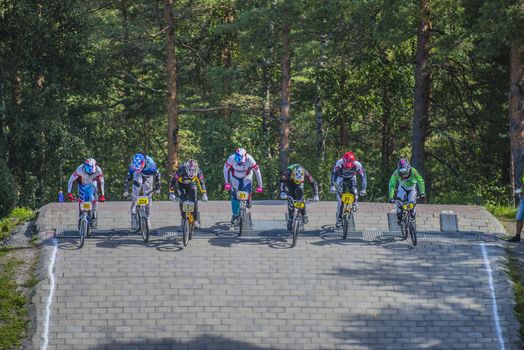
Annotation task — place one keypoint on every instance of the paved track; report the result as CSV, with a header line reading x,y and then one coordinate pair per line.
x,y
372,291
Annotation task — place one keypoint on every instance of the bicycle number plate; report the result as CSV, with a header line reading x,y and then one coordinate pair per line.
x,y
348,198
143,200
242,195
188,207
86,206
300,205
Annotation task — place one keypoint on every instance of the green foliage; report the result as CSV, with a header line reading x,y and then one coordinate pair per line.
x,y
15,218
12,306
502,211
88,80
7,189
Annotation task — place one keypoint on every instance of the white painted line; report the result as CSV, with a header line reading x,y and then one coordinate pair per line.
x,y
493,297
51,275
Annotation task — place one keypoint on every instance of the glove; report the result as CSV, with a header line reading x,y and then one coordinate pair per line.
x,y
332,189
391,200
172,197
362,193
70,197
422,195
204,197
126,194
157,191
102,199
227,186
283,195
259,190
315,198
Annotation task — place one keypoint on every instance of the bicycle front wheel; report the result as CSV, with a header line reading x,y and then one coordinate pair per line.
x,y
404,228
296,228
413,232
144,228
185,231
240,223
345,224
83,232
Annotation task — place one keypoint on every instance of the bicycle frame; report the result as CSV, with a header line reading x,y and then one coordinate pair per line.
x,y
298,218
85,216
188,222
142,218
407,223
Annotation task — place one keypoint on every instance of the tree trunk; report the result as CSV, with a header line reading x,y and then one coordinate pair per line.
x,y
386,133
286,93
516,112
422,91
321,141
344,133
172,114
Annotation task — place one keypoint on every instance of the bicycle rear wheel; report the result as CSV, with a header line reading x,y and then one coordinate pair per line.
x,y
83,232
296,228
144,228
185,231
413,232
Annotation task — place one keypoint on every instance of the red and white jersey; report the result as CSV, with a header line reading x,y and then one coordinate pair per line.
x,y
241,171
85,179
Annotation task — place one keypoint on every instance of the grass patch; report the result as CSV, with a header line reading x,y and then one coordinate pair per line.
x,y
15,218
502,211
13,311
512,269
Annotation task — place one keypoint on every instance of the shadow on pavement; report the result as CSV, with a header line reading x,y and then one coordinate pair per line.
x,y
204,341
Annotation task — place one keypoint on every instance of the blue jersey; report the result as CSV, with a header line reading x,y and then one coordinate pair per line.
x,y
149,169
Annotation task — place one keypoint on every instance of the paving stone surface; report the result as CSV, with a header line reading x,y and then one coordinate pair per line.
x,y
371,291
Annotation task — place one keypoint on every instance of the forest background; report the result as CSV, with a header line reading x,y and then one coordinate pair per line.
x,y
292,81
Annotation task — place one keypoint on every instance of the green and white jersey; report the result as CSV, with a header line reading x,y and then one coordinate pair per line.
x,y
409,183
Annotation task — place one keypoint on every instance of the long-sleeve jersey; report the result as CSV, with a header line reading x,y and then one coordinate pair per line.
x,y
181,177
285,179
150,169
241,171
347,173
83,178
408,183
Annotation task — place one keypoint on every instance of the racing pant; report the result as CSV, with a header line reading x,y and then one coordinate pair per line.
x,y
239,184
144,183
188,192
294,192
88,193
345,185
410,195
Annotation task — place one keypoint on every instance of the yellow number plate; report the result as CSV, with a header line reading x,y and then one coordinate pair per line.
x,y
242,195
188,207
300,205
143,200
348,198
86,206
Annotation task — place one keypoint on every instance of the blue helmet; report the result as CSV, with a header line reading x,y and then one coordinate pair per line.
x,y
90,166
240,155
139,162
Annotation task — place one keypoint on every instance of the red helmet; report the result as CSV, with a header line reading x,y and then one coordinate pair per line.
x,y
349,159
